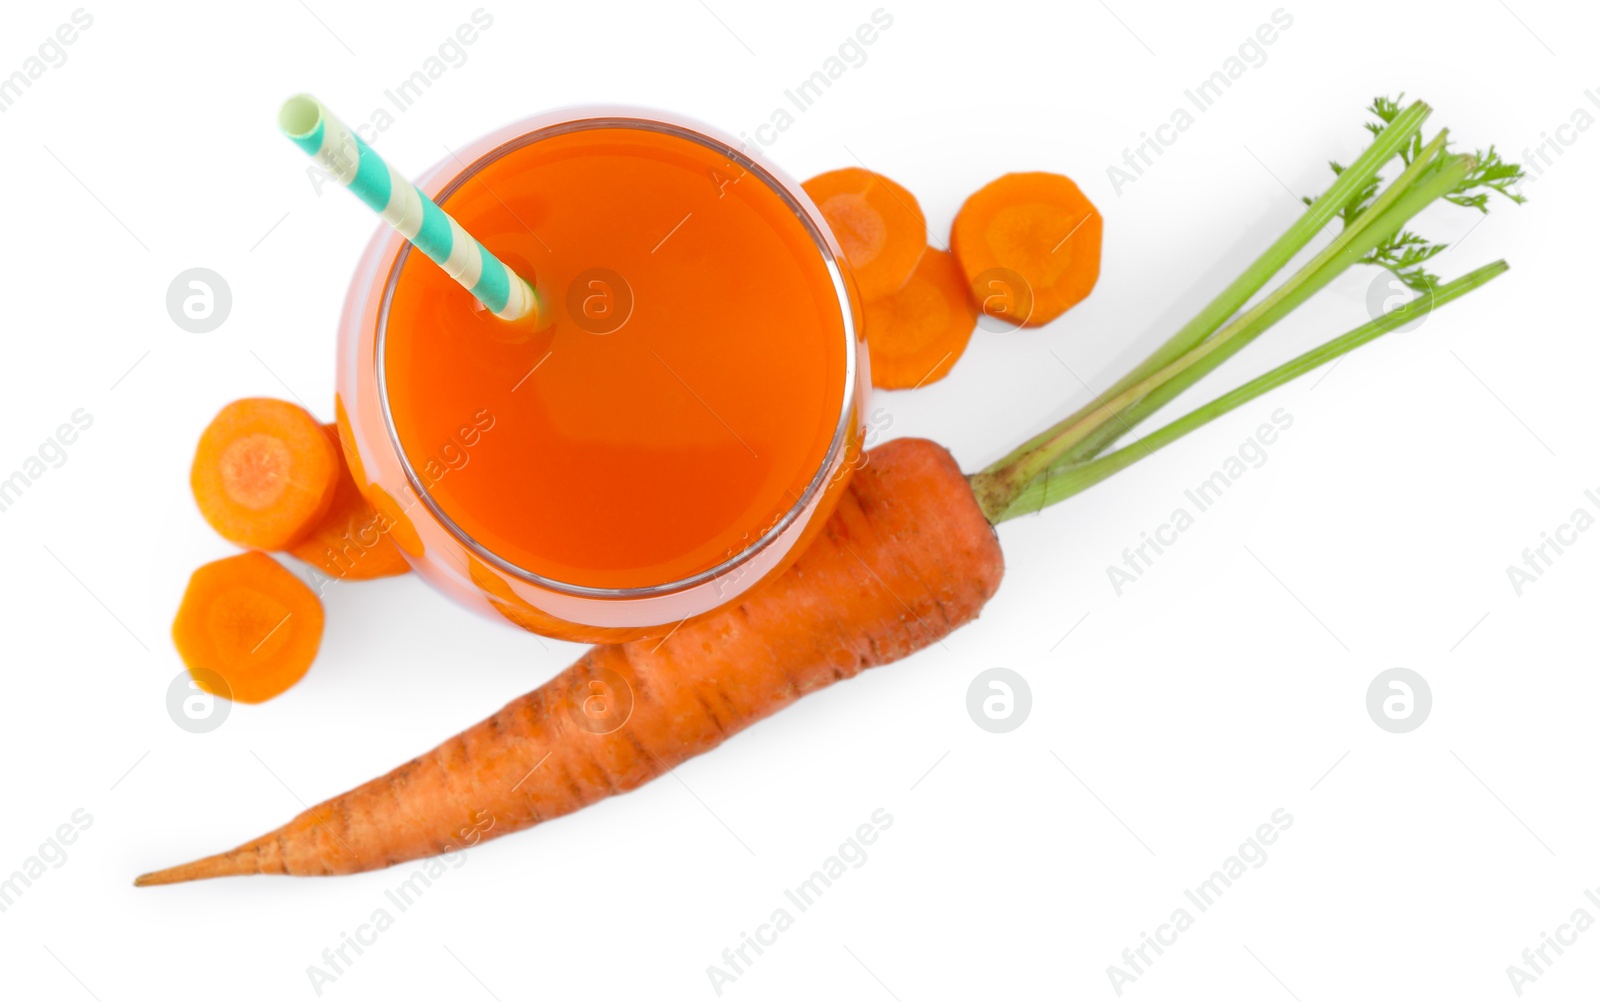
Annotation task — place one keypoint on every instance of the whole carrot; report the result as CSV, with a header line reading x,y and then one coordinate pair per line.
x,y
906,558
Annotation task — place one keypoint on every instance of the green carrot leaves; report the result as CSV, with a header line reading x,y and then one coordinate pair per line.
x,y
1492,173
1405,253
1373,218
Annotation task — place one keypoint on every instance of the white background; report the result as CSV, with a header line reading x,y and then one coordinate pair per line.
x,y
1167,723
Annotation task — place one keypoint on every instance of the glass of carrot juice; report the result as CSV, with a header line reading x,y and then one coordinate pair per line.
x,y
671,430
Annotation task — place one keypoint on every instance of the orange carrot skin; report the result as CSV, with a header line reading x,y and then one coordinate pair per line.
x,y
906,558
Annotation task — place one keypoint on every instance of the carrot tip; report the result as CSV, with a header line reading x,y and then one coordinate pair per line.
x,y
155,878
236,863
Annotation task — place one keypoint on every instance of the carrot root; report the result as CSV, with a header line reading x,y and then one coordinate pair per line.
x,y
906,558
235,863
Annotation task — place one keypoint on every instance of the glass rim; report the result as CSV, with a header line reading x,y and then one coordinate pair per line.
x,y
585,120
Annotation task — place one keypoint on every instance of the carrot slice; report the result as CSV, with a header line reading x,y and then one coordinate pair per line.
x,y
264,473
878,224
1030,246
249,621
916,335
352,541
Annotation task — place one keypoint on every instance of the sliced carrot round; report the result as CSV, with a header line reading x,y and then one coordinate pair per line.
x,y
251,622
352,541
264,473
878,224
1036,237
915,335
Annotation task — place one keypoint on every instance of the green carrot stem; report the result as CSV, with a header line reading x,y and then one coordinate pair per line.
x,y
1365,232
1296,291
998,488
1349,184
1065,479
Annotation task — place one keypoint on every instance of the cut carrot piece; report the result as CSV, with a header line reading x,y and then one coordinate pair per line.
x,y
352,541
878,224
1030,246
916,335
264,473
249,621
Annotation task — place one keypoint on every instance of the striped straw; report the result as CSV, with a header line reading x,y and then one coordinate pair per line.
x,y
402,205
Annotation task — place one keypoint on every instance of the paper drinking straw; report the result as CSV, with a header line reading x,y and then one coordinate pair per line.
x,y
402,205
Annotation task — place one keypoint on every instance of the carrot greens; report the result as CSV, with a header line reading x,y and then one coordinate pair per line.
x,y
1070,456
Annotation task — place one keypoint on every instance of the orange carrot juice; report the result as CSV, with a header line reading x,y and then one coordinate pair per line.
x,y
682,397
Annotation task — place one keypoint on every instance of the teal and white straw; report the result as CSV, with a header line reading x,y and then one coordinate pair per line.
x,y
341,153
